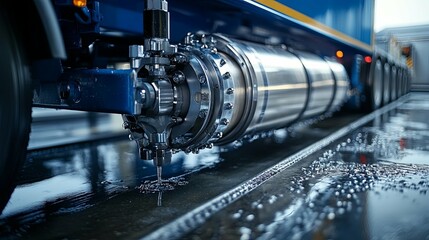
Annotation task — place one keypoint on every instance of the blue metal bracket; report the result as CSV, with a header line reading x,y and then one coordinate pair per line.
x,y
97,90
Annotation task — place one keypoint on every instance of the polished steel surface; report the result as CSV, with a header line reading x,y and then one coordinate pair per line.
x,y
342,85
281,86
322,84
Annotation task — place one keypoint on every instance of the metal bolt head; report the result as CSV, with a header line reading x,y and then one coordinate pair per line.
x,y
136,51
202,79
178,77
222,62
230,91
224,121
142,96
179,59
226,75
228,106
218,134
156,5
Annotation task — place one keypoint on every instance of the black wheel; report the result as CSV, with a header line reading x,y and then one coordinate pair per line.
x,y
399,82
374,86
15,107
393,75
386,84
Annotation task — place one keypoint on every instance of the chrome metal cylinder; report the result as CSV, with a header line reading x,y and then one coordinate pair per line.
x,y
279,86
342,85
322,84
223,90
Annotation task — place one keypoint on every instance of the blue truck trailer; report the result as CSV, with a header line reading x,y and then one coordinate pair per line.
x,y
187,75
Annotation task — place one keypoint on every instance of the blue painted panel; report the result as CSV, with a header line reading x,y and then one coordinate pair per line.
x,y
349,22
96,90
352,17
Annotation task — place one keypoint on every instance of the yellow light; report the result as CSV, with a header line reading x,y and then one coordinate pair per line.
x,y
339,54
79,3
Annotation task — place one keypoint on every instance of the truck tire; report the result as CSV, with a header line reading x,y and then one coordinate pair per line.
x,y
374,87
386,84
393,74
15,107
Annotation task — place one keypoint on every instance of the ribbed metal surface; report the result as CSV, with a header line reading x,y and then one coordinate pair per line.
x,y
322,84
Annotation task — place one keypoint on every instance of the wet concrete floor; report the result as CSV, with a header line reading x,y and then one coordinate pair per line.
x,y
366,180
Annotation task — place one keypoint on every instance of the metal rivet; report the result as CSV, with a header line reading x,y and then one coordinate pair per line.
x,y
226,75
218,135
178,77
230,91
224,121
222,62
202,79
228,106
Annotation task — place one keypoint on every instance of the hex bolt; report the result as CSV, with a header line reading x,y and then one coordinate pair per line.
x,y
230,91
224,121
179,59
136,51
70,91
178,77
222,62
228,106
226,75
218,134
142,96
202,79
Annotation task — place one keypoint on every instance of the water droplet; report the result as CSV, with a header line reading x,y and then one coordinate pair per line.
x,y
250,217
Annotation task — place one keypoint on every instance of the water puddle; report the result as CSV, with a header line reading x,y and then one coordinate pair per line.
x,y
346,184
161,185
155,186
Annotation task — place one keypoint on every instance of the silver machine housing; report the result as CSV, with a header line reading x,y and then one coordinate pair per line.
x,y
218,90
213,90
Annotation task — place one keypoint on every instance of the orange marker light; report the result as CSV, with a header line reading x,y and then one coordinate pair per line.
x,y
339,54
79,3
368,59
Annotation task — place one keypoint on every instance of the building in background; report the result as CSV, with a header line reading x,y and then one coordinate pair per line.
x,y
410,45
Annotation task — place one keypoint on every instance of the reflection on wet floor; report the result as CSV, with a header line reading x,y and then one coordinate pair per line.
x,y
371,183
95,171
